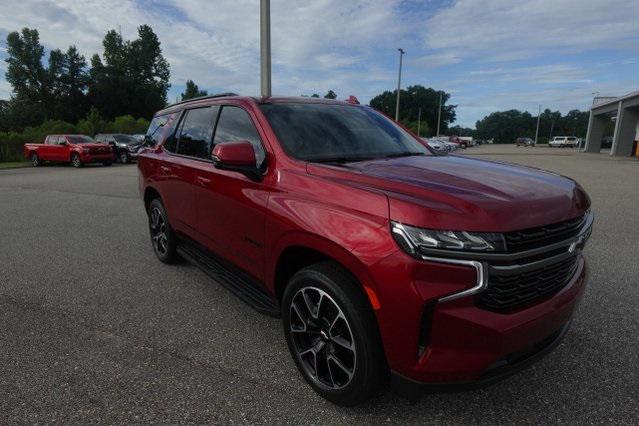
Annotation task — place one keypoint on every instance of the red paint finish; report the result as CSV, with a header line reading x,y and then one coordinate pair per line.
x,y
88,152
344,213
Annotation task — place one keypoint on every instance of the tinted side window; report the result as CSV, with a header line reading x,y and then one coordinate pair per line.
x,y
154,132
196,132
235,124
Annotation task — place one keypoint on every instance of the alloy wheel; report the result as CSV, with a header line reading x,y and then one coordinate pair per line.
x,y
123,158
322,338
157,223
35,160
76,161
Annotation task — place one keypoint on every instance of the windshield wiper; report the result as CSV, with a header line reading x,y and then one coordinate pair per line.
x,y
403,154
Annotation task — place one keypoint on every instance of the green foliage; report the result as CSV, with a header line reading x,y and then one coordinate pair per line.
x,y
411,100
132,77
330,95
460,131
314,95
506,126
192,91
39,93
11,143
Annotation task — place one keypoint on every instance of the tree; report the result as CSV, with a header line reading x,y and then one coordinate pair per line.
x,y
131,77
39,93
192,91
330,95
314,95
414,98
506,126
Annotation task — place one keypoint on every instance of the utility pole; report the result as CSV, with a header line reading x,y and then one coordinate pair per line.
x,y
538,117
399,83
439,112
265,47
419,119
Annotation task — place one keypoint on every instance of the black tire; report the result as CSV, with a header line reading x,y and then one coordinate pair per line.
x,y
35,160
107,163
75,160
366,370
163,238
123,157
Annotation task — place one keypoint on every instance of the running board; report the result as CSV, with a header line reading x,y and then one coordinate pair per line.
x,y
231,277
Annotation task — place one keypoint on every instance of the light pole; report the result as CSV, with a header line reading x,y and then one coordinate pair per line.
x,y
537,130
439,112
399,83
265,47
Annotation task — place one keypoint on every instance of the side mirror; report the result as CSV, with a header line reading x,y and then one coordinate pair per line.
x,y
237,156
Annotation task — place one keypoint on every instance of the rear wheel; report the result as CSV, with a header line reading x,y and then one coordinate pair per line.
x,y
124,157
332,334
35,160
75,160
163,237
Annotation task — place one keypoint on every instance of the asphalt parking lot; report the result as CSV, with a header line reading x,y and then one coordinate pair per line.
x,y
94,328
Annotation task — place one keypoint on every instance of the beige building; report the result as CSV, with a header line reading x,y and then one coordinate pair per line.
x,y
625,111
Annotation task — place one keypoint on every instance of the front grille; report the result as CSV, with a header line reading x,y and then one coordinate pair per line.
x,y
509,291
531,238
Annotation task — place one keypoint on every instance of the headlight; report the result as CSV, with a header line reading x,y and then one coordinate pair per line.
x,y
412,239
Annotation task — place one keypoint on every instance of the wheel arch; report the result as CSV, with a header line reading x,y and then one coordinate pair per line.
x,y
150,193
298,251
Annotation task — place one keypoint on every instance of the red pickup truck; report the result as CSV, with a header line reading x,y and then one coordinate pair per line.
x,y
76,149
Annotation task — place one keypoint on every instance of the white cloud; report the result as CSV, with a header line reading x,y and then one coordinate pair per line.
x,y
519,29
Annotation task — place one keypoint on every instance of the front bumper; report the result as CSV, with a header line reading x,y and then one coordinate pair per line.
x,y
434,339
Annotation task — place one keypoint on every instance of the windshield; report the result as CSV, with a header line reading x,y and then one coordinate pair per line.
x,y
329,132
80,139
125,139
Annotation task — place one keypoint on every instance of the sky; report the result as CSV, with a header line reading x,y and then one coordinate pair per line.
x,y
490,55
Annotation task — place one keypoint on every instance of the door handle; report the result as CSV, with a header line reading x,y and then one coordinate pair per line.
x,y
203,181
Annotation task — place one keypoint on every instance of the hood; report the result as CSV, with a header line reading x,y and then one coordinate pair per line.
x,y
460,193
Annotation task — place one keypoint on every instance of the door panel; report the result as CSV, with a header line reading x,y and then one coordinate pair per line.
x,y
231,207
231,216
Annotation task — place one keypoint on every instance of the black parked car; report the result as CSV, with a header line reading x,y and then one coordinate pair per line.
x,y
606,142
126,147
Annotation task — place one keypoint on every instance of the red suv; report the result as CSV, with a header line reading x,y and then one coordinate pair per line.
x,y
386,263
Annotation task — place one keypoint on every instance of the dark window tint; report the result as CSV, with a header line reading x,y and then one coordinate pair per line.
x,y
235,124
196,132
327,132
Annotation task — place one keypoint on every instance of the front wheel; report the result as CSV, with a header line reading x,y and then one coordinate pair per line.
x,y
35,160
331,332
75,160
124,157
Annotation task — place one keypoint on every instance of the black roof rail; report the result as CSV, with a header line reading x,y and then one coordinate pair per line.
x,y
200,98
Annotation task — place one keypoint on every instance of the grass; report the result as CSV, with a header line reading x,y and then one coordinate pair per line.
x,y
14,164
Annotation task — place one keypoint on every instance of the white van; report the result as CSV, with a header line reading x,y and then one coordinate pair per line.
x,y
563,141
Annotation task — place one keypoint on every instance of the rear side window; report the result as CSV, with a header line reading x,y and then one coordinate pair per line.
x,y
154,132
235,124
51,140
196,132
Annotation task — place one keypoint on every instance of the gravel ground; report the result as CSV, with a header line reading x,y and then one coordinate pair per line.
x,y
94,328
